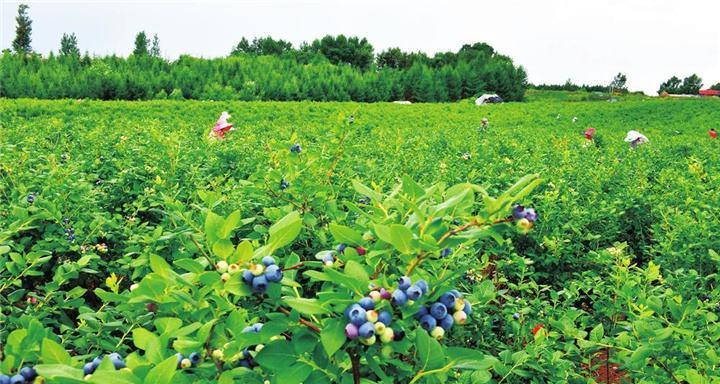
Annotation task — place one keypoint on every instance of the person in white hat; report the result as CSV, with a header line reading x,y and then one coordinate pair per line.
x,y
635,138
222,126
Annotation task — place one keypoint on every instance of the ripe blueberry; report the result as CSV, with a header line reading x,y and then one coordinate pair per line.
x,y
116,360
357,315
341,248
366,330
28,373
385,317
447,322
447,299
414,292
268,261
273,273
404,283
423,286
259,284
438,310
421,312
247,276
367,303
428,322
399,297
17,379
194,358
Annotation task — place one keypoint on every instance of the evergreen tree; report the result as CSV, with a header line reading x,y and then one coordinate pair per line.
x,y
141,44
69,46
155,49
23,30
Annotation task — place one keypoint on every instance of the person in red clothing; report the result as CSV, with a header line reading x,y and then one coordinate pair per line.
x,y
589,133
713,133
221,126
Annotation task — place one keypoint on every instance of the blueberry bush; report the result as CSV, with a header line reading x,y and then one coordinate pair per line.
x,y
349,243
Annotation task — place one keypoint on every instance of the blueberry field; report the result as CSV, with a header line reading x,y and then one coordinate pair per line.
x,y
338,242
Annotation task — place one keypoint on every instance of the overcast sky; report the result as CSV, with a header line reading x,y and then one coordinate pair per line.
x,y
587,41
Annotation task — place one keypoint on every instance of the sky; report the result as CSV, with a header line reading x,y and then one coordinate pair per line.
x,y
587,41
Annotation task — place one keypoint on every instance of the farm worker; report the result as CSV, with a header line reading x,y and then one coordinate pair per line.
x,y
483,124
589,133
222,126
713,133
635,138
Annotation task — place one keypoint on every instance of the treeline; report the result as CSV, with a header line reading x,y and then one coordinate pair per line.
x,y
251,77
334,68
690,85
618,84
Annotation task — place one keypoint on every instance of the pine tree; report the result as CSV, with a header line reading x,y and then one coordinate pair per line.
x,y
21,44
155,50
69,46
141,44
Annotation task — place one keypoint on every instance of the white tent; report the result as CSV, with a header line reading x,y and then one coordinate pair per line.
x,y
484,98
402,102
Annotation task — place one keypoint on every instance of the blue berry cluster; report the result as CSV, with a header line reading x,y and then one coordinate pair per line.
x,y
440,316
186,362
367,325
284,184
25,375
296,148
70,234
519,212
259,276
30,198
247,360
115,358
407,291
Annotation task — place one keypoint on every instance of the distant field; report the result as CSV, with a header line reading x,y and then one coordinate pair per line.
x,y
140,176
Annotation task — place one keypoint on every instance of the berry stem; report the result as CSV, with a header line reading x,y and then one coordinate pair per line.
x,y
355,360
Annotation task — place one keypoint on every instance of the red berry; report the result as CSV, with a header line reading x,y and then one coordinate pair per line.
x,y
361,251
151,307
537,329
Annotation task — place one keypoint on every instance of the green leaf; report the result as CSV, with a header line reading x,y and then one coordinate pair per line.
x,y
148,342
305,306
295,374
189,265
4,249
597,333
464,358
285,231
276,356
366,191
343,234
242,254
163,372
115,377
429,353
401,238
50,371
213,226
223,248
53,352
230,224
333,336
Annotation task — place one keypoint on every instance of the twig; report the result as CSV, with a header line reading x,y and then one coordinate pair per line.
x,y
304,322
296,266
355,360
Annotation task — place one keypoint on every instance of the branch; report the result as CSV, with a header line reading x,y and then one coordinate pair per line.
x,y
355,360
304,322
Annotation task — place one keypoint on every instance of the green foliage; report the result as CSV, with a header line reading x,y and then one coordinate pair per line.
x,y
623,259
69,46
23,31
141,44
331,69
688,86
